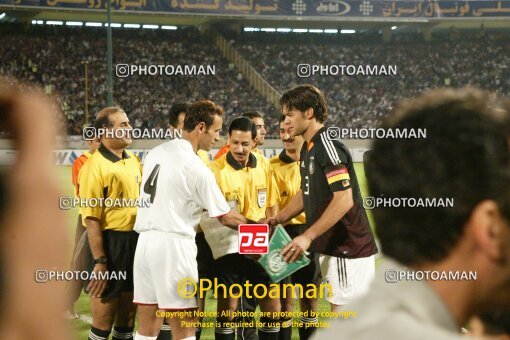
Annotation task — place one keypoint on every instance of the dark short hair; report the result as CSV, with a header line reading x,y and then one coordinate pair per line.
x,y
465,156
304,97
103,117
252,114
243,124
281,119
175,111
201,111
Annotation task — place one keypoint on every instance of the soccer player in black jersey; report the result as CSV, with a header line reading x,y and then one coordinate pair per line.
x,y
337,224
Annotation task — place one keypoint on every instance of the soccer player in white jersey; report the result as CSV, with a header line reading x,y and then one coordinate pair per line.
x,y
179,186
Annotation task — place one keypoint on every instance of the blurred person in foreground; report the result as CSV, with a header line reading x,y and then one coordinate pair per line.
x,y
465,156
494,325
30,220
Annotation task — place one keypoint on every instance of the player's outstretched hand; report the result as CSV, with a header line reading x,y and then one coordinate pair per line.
x,y
271,221
96,287
295,248
272,229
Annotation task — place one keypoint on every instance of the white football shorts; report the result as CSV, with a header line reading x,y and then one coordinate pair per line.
x,y
162,262
349,278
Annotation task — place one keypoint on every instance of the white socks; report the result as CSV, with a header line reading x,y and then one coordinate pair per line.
x,y
143,337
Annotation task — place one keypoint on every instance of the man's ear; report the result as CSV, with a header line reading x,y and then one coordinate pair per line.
x,y
309,113
486,226
201,128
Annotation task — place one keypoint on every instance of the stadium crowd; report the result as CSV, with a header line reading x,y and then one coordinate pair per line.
x,y
360,101
52,57
472,236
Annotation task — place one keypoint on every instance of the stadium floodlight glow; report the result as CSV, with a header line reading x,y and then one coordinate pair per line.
x,y
283,30
113,25
131,25
93,24
315,31
52,22
34,22
300,30
2,16
152,27
168,27
40,22
334,31
268,29
251,29
393,27
347,31
74,23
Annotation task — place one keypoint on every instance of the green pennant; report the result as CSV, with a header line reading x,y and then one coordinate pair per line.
x,y
273,262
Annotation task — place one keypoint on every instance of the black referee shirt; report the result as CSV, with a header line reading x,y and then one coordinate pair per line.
x,y
326,166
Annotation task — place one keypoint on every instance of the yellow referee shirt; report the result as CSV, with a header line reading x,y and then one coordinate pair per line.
x,y
249,189
265,162
105,176
204,156
77,165
288,179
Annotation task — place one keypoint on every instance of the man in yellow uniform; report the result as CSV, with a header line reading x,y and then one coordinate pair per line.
x,y
176,118
112,174
288,179
247,304
257,119
177,114
249,188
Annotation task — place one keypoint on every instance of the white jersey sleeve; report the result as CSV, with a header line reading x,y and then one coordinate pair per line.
x,y
206,193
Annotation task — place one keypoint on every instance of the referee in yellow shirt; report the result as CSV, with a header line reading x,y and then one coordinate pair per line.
x,y
285,168
249,188
111,173
258,119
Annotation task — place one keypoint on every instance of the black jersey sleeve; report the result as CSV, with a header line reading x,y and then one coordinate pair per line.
x,y
333,159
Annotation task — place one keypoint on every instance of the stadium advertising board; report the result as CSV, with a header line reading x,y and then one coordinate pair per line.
x,y
314,8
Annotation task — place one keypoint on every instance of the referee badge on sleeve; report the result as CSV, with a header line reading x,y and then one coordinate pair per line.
x,y
262,197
